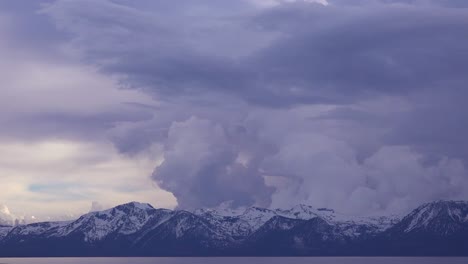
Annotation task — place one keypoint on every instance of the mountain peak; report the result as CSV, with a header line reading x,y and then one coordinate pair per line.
x,y
138,205
442,207
444,203
436,216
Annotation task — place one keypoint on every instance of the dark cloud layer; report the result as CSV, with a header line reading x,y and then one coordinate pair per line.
x,y
357,105
314,54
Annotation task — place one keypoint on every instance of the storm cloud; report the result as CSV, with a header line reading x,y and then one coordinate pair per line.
x,y
206,164
355,105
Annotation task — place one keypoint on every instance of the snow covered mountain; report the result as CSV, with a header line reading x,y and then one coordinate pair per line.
x,y
137,229
439,218
437,228
240,223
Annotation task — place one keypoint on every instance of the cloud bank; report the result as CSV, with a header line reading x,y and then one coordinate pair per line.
x,y
355,105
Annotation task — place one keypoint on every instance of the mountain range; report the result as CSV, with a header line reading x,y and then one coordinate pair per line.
x,y
136,229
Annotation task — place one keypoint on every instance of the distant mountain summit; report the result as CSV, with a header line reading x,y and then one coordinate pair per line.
x,y
138,229
439,218
437,228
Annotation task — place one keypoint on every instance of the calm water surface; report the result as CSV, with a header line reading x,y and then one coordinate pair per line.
x,y
354,260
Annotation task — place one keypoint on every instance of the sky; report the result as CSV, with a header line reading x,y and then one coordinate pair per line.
x,y
355,105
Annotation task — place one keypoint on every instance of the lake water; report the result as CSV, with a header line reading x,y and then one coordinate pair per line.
x,y
327,260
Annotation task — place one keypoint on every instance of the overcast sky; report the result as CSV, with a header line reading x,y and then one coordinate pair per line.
x,y
356,105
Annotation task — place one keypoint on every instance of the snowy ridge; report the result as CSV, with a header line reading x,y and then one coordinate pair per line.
x,y
427,216
237,222
351,226
124,219
304,212
142,228
4,230
36,229
242,222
